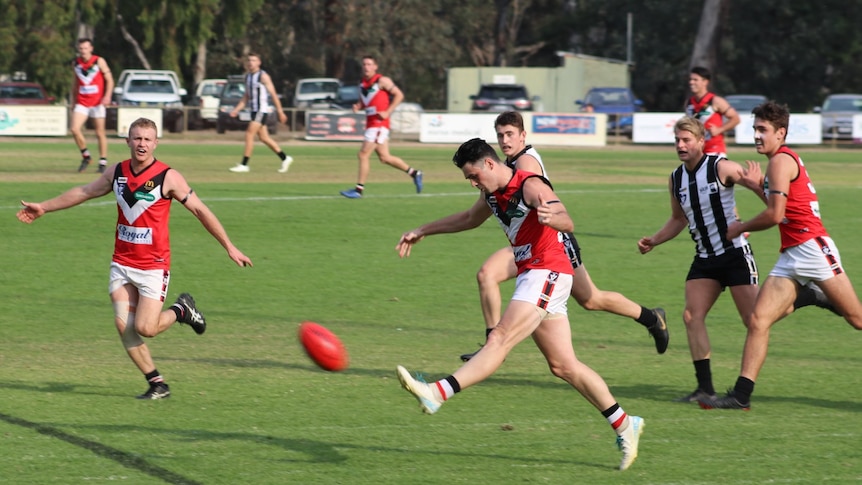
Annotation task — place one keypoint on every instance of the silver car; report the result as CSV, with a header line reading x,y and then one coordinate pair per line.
x,y
837,114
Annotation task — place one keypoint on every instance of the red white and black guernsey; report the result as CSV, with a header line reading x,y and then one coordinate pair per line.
x,y
143,213
536,246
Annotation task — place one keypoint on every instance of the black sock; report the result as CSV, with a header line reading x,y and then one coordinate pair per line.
x,y
360,188
178,310
245,160
454,383
743,389
411,171
103,161
488,332
85,152
703,373
281,155
647,318
154,377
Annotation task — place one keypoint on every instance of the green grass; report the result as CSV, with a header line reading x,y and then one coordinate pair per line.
x,y
249,407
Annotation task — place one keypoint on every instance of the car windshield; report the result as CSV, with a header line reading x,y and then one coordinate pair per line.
x,y
601,98
212,89
318,87
502,92
233,90
348,93
21,92
843,104
150,86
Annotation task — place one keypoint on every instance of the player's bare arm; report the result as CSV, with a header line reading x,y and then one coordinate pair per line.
x,y
674,225
781,170
728,112
460,221
276,102
72,197
177,188
549,208
109,80
389,86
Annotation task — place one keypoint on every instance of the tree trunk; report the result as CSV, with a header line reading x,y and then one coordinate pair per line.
x,y
199,70
705,49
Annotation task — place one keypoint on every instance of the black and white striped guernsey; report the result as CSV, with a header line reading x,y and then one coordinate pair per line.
x,y
709,206
258,96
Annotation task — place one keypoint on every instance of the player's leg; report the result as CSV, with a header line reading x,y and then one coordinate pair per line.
x,y
839,290
499,267
383,154
364,157
98,116
591,298
76,126
554,338
700,296
252,130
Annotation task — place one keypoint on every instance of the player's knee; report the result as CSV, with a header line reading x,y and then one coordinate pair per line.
x,y
487,277
125,321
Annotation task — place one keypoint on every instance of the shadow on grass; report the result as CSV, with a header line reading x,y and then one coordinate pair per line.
x,y
125,459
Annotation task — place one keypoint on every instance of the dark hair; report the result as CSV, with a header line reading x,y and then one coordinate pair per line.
x,y
369,56
473,151
702,72
778,115
85,39
510,118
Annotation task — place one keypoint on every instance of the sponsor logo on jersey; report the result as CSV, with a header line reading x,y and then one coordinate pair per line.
x,y
134,235
523,253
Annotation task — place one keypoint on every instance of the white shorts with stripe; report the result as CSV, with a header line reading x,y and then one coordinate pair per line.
x,y
548,290
816,259
151,283
98,111
377,134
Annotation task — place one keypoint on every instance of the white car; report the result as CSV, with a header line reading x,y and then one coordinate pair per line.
x,y
153,89
837,115
317,92
206,98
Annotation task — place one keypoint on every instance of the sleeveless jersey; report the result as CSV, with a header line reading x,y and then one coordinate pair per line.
x,y
802,213
258,96
704,111
374,100
536,246
528,150
708,205
89,82
143,212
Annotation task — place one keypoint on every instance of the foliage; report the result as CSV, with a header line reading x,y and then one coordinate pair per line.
x,y
795,51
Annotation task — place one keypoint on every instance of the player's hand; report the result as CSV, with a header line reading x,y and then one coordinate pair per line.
x,y
239,258
645,245
752,177
282,118
30,212
734,229
405,244
543,212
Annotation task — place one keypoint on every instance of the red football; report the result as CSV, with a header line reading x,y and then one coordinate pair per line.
x,y
322,346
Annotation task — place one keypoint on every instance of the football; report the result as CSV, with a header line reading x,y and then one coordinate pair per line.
x,y
323,346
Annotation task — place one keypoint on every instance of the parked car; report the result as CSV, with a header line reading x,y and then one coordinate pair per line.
x,y
346,97
231,94
315,92
151,89
618,103
206,99
22,92
837,114
502,97
743,104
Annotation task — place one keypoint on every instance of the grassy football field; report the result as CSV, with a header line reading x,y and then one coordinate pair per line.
x,y
248,407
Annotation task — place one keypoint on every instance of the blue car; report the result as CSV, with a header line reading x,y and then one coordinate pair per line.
x,y
618,103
